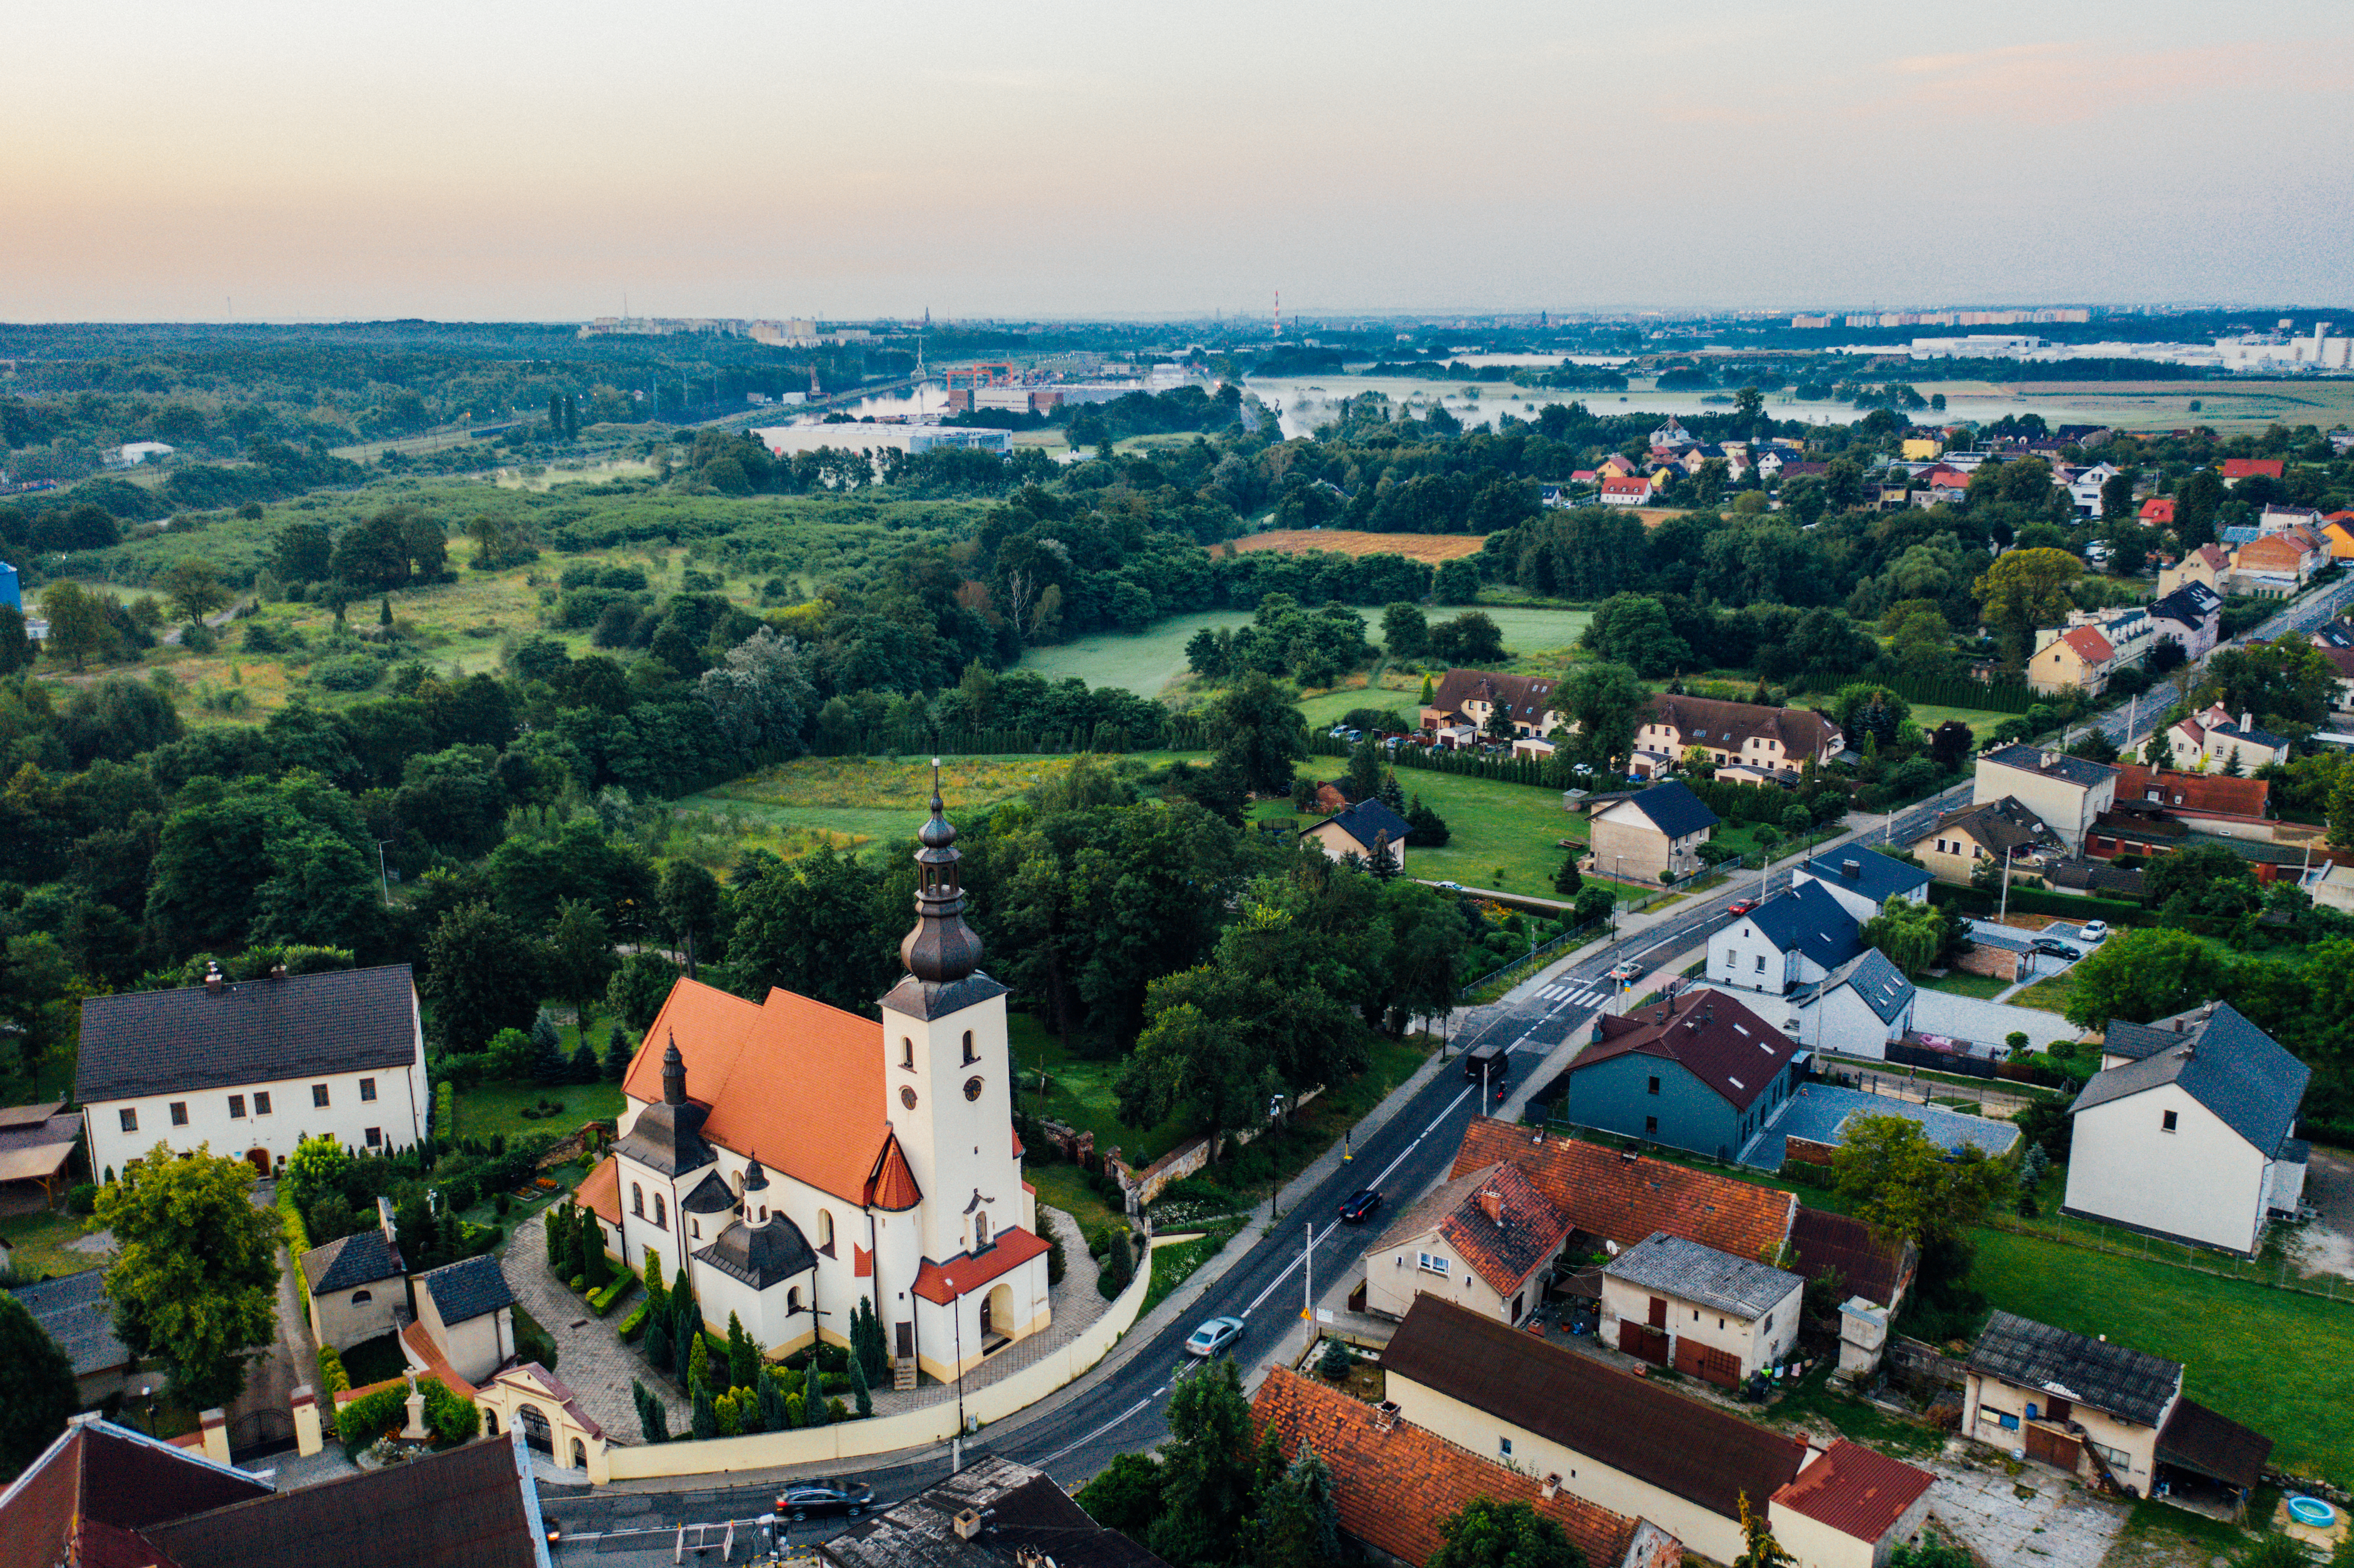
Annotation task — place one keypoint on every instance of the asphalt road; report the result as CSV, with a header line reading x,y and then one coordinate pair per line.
x,y
1122,1412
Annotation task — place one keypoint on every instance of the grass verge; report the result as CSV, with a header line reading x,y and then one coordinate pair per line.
x,y
1854,1418
1959,982
41,1242
1172,1265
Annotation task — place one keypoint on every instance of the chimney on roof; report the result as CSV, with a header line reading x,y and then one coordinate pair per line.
x,y
967,1523
278,971
2247,720
2050,759
1552,1485
1492,1204
384,1219
214,982
1852,870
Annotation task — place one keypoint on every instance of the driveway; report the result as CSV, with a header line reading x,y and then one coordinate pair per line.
x,y
1986,1023
2326,1246
2032,1519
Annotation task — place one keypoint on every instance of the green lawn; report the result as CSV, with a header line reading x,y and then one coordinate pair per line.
x,y
1081,1095
1172,1265
489,1109
1957,982
1064,1187
1141,662
2051,994
41,1243
1492,827
2279,1362
1982,721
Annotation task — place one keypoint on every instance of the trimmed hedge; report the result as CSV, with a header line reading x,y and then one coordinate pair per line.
x,y
333,1379
634,1324
603,1301
2041,901
298,1239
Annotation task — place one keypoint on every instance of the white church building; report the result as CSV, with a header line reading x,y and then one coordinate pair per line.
x,y
801,1157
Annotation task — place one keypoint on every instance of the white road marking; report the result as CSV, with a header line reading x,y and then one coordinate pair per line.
x,y
1128,1413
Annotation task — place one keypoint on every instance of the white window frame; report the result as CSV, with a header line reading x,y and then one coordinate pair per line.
x,y
1433,1263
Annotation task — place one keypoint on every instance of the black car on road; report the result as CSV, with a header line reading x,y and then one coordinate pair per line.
x,y
2052,947
1359,1206
804,1500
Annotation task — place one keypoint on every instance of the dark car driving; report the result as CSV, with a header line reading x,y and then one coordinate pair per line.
x,y
803,1499
1359,1206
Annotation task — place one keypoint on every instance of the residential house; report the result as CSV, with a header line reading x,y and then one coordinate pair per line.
x,y
796,1157
1613,1198
1702,1072
2331,886
1862,880
2337,533
1641,1450
2216,803
993,1513
1672,437
2208,1091
2275,565
103,1494
74,1311
2280,519
1708,1314
2337,633
1923,448
1861,1008
1531,702
2003,831
1619,491
1738,734
2192,615
468,1311
1618,465
2341,662
2087,1406
2067,792
1482,1240
2157,512
2238,469
357,1285
2213,741
2209,565
253,1067
1795,940
1653,835
1395,1483
1366,829
2083,486
2075,658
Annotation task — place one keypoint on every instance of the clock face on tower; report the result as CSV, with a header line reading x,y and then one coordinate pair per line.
x,y
972,1088
907,1099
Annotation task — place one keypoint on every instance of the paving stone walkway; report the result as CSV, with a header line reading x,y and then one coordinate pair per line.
x,y
598,1367
2033,1519
591,1357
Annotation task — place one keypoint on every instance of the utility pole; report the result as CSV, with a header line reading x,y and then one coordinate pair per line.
x,y
1308,1275
2003,912
384,878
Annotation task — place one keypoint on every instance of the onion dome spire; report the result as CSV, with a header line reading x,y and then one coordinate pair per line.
x,y
942,948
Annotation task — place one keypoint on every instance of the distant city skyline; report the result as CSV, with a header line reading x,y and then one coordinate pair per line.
x,y
1049,161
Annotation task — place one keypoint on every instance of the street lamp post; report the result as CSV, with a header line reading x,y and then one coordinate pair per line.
x,y
384,878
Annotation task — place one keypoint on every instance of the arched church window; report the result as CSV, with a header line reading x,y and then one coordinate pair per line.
x,y
907,1052
662,1219
968,1057
637,1200
981,1230
825,1231
793,1299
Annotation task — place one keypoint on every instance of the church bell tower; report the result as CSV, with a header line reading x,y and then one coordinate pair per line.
x,y
946,1068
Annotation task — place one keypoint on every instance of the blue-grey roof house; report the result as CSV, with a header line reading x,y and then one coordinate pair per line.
x,y
1793,940
2186,1135
1864,879
1702,1072
1652,835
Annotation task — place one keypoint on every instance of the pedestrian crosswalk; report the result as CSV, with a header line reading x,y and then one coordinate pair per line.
x,y
1577,993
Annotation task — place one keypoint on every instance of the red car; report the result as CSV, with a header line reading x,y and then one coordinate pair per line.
x,y
1740,906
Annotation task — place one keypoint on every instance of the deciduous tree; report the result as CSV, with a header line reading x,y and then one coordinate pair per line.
x,y
196,1269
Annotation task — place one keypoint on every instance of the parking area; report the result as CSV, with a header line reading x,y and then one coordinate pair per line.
x,y
2326,1246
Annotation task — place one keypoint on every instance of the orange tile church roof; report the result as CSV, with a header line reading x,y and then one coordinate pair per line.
x,y
793,1083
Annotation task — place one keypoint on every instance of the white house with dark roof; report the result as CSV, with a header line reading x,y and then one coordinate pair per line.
x,y
2206,1093
1861,1008
2067,792
1862,880
1365,830
359,1286
468,1310
1796,940
1711,1314
252,1067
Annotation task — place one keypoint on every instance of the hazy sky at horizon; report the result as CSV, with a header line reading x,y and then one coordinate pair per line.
x,y
533,161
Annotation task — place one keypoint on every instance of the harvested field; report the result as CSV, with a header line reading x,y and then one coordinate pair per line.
x,y
1347,541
